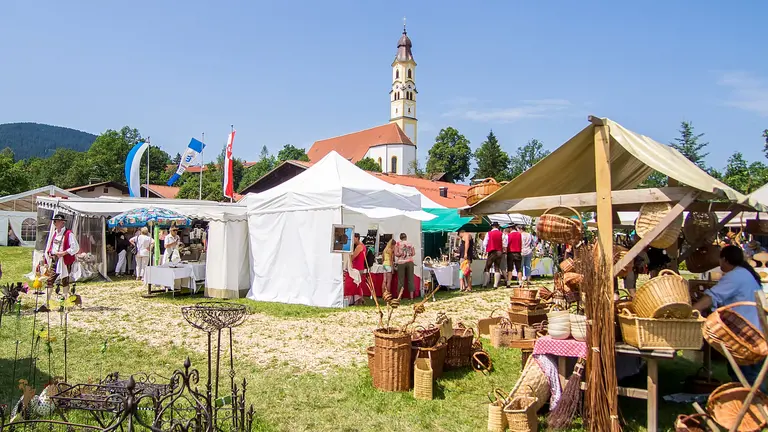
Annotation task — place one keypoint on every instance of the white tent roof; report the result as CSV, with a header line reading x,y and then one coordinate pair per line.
x,y
335,182
111,206
761,195
50,189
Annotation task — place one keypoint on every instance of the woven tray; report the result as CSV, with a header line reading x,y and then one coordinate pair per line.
x,y
661,334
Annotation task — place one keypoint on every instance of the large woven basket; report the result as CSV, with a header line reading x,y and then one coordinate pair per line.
x,y
567,265
504,333
699,225
481,190
665,296
666,334
527,316
559,229
650,216
423,379
745,342
703,259
497,421
435,354
532,380
727,400
459,353
573,280
392,359
521,416
425,337
484,324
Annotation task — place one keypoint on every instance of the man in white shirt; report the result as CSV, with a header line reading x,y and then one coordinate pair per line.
x,y
60,254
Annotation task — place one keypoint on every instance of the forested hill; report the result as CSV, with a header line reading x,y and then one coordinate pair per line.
x,y
41,140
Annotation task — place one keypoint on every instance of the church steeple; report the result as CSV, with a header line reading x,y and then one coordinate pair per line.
x,y
404,47
402,97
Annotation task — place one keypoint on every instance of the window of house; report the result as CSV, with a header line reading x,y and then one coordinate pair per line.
x,y
393,168
29,230
409,74
106,190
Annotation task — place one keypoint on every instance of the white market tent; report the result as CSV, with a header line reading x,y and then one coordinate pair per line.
x,y
227,276
290,229
19,213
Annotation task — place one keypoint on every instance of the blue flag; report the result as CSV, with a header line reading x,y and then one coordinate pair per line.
x,y
194,148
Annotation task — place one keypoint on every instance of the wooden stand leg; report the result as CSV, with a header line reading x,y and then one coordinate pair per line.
x,y
561,370
653,403
524,355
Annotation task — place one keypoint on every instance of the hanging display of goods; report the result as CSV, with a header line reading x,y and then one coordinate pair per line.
x,y
435,354
665,296
756,226
425,337
573,280
481,190
560,229
529,316
650,216
497,421
460,347
703,259
727,400
525,293
521,415
624,302
698,226
579,327
484,324
392,359
504,333
423,379
691,423
742,339
660,333
567,265
445,324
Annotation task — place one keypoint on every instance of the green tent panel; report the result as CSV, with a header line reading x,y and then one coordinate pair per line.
x,y
449,220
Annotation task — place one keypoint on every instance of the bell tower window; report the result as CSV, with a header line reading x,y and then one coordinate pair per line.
x,y
410,75
393,167
397,73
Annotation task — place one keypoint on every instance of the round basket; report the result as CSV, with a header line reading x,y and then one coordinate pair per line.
x,y
460,348
650,216
698,225
703,259
392,359
727,400
559,229
567,265
745,342
481,190
665,296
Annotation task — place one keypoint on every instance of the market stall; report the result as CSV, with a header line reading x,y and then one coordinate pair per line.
x,y
290,228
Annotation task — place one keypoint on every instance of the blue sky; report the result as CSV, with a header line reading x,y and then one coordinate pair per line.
x,y
295,72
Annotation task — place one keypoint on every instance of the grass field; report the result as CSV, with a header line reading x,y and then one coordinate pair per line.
x,y
305,366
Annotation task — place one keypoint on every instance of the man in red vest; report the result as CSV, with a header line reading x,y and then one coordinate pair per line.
x,y
494,249
60,254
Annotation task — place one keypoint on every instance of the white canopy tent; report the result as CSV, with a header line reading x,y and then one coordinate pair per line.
x,y
290,229
18,213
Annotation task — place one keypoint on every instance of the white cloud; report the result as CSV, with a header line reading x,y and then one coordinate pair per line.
x,y
747,91
540,108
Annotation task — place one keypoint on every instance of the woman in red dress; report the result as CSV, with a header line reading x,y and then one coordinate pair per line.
x,y
358,262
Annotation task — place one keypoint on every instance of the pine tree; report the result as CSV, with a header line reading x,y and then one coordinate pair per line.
x,y
492,161
688,144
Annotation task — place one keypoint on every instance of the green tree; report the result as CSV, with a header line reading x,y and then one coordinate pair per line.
x,y
688,144
654,180
177,159
289,152
213,189
158,166
743,176
527,156
368,164
66,168
450,154
415,169
491,160
13,178
256,171
107,154
765,146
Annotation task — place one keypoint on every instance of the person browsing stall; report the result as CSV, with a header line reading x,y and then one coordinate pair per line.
x,y
404,253
60,253
514,255
388,255
172,242
493,244
739,283
466,256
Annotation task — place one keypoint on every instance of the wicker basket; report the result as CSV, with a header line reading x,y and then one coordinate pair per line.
x,y
459,352
745,342
504,333
658,334
691,423
527,316
445,324
481,190
618,253
573,280
698,226
425,337
435,354
532,379
665,296
484,324
371,362
703,259
567,265
545,293
559,229
423,378
521,415
650,216
392,359
522,293
497,421
726,401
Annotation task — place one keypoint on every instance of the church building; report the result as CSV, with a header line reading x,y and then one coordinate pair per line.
x,y
392,145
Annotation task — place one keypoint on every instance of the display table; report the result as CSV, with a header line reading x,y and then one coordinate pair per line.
x,y
539,267
351,289
447,276
177,276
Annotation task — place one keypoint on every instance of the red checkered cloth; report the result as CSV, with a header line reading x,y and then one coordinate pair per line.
x,y
561,348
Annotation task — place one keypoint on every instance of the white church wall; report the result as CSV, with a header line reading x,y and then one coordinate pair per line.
x,y
405,155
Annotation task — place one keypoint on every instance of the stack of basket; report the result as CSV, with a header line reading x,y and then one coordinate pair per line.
x,y
525,306
661,316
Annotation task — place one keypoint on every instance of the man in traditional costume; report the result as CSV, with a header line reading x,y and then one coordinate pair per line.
x,y
60,254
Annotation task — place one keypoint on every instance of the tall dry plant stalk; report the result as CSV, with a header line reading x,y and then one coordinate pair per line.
x,y
601,400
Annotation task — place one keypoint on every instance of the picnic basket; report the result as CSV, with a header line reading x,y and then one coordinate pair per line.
x,y
423,378
665,296
497,421
521,415
661,334
460,347
484,324
481,190
691,423
392,359
727,400
559,229
650,216
435,354
503,333
703,259
698,225
728,327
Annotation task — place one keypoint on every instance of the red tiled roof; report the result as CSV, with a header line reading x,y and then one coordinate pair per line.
x,y
354,146
123,188
162,190
457,193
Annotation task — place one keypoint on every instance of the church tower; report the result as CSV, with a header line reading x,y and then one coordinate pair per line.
x,y
403,94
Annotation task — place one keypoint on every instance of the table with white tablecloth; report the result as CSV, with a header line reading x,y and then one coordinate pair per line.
x,y
174,276
447,276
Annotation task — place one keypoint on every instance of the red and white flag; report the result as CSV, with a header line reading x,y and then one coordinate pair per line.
x,y
229,183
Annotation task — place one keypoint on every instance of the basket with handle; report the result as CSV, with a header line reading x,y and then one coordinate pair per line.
x,y
703,259
428,262
573,280
743,340
727,400
497,421
484,324
699,225
520,413
650,216
559,229
503,333
659,333
445,324
392,359
435,354
481,190
665,296
545,293
460,347
425,337
691,423
525,293
567,265
423,378
624,302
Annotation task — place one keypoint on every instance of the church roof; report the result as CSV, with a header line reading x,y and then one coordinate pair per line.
x,y
354,146
404,46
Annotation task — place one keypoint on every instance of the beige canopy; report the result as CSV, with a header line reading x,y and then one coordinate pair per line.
x,y
571,170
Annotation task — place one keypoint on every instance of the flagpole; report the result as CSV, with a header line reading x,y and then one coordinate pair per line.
x,y
148,146
232,129
200,193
